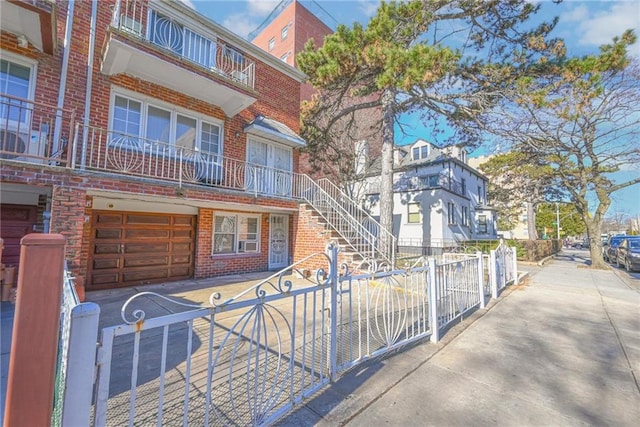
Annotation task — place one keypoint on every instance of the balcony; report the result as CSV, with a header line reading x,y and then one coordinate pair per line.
x,y
34,132
32,21
122,154
147,36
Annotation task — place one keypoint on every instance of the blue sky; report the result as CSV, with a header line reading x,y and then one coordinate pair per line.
x,y
584,25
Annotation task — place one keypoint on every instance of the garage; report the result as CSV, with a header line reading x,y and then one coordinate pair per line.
x,y
135,248
16,221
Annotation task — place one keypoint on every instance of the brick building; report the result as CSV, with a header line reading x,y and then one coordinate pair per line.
x,y
160,144
286,31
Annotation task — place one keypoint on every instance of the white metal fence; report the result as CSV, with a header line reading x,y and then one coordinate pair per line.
x,y
251,358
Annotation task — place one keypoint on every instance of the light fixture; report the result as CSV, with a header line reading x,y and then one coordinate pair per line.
x,y
22,41
237,134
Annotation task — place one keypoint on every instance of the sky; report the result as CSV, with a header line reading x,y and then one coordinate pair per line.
x,y
583,24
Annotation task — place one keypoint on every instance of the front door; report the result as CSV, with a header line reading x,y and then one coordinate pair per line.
x,y
278,241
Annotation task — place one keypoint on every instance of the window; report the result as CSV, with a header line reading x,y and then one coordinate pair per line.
x,y
451,213
272,43
482,224
480,198
420,152
284,32
236,234
465,215
133,119
15,80
463,184
284,57
430,181
414,213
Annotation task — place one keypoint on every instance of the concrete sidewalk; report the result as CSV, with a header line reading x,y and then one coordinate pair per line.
x,y
561,349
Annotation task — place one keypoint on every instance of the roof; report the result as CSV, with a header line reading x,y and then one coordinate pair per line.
x,y
275,131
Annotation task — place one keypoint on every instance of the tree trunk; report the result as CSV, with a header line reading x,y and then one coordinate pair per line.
x,y
594,230
386,178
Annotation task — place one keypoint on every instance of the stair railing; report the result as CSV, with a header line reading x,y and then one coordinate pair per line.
x,y
361,231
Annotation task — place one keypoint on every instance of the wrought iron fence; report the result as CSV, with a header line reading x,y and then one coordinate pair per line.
x,y
249,359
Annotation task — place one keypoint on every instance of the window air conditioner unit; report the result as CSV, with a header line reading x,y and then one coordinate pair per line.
x,y
130,25
22,145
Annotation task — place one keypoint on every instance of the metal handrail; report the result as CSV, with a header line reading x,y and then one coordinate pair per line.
x,y
361,216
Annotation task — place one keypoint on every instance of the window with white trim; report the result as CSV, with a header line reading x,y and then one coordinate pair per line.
x,y
284,32
16,79
420,152
482,224
451,213
465,215
235,234
272,43
136,118
414,213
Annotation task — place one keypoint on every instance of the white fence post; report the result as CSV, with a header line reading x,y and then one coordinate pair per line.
x,y
83,339
493,274
481,279
332,252
515,265
433,301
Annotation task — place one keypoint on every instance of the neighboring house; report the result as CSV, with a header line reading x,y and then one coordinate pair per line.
x,y
173,155
439,200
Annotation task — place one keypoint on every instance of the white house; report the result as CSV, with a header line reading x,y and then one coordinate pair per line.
x,y
439,200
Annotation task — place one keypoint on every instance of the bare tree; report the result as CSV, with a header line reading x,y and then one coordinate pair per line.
x,y
585,125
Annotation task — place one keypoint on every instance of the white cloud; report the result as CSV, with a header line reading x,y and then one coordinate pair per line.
x,y
599,27
576,14
244,23
261,7
369,7
240,24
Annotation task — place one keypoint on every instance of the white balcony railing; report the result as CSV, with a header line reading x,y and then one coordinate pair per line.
x,y
140,19
111,151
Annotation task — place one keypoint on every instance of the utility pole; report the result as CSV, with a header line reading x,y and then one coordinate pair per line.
x,y
558,221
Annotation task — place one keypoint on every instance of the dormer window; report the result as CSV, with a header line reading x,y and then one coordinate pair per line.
x,y
421,152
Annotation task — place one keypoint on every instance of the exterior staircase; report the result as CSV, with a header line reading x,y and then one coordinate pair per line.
x,y
361,238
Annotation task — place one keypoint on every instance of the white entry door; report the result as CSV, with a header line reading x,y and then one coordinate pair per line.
x,y
278,241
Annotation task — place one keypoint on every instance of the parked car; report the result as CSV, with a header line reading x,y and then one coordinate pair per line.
x,y
628,254
611,247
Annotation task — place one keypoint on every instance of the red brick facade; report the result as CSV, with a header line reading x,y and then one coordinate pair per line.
x,y
70,191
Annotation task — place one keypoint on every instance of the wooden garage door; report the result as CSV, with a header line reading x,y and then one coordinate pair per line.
x,y
16,221
133,248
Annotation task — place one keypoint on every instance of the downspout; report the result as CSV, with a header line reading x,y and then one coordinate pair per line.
x,y
87,100
63,78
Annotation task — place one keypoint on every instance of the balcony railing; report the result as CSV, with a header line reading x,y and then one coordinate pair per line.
x,y
34,132
111,151
138,18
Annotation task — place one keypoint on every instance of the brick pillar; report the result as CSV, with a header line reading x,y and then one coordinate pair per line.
x,y
34,344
